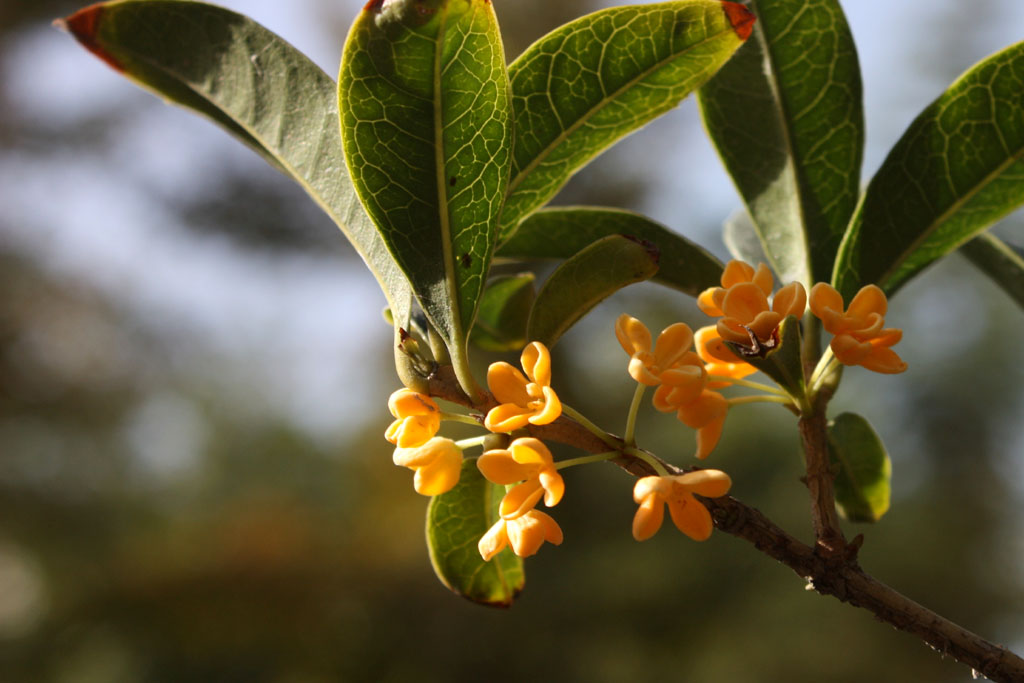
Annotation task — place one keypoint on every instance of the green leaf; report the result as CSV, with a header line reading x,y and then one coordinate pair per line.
x,y
586,279
592,81
783,363
504,310
787,119
560,233
740,237
455,522
427,131
250,81
1000,261
955,171
862,468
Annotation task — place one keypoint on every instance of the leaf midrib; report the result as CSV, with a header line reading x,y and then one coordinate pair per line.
x,y
563,136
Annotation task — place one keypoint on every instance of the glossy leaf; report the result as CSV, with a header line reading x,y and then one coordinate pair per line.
x,y
741,238
1000,261
257,86
427,132
561,232
504,310
783,363
455,522
590,82
956,170
586,279
787,118
862,467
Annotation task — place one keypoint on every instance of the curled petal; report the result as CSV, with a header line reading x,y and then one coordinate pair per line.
x,y
507,384
639,369
763,279
494,541
708,436
530,451
554,486
707,483
648,486
499,467
731,329
719,359
527,533
887,337
790,300
764,325
648,517
707,303
708,407
744,301
870,299
827,304
736,272
632,334
520,499
507,417
673,343
690,517
536,360
423,455
550,412
439,476
406,402
413,431
849,351
680,386
884,360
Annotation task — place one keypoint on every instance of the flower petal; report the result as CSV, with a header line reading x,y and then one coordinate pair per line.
x,y
536,361
507,417
764,325
413,431
645,487
530,451
673,342
706,301
527,533
406,402
708,483
870,299
827,304
551,411
632,334
640,371
520,499
708,436
423,455
439,476
884,360
648,517
554,486
499,467
731,329
763,279
708,407
736,272
849,351
790,300
744,301
493,541
690,517
507,384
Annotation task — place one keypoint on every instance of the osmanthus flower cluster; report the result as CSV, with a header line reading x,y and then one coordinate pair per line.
x,y
687,371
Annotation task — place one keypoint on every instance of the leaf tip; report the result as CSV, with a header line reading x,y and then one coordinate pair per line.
x,y
373,6
653,252
84,25
741,18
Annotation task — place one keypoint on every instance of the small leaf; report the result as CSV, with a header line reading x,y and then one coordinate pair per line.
x,y
504,310
427,131
250,81
783,363
586,279
455,522
740,237
561,232
957,169
787,118
1000,261
862,466
592,81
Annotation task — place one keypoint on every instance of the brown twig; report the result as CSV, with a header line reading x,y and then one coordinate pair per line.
x,y
814,437
835,572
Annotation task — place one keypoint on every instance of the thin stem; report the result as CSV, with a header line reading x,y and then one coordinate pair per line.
x,y
472,441
824,519
649,459
740,400
634,408
586,459
824,375
819,370
459,417
753,385
590,426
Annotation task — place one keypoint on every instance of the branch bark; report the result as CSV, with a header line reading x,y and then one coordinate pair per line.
x,y
830,568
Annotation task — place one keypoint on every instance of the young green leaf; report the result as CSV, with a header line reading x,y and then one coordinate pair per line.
x,y
590,82
257,86
1001,262
455,522
427,132
957,169
740,237
504,310
862,468
561,232
787,119
586,279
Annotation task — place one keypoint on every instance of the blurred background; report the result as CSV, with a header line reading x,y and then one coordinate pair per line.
x,y
194,484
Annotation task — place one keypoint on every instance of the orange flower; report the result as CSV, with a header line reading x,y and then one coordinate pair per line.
x,y
525,534
437,463
718,359
529,461
646,365
523,401
690,516
419,418
685,390
736,272
860,338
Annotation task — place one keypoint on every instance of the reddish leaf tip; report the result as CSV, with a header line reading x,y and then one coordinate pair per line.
x,y
373,6
84,25
741,18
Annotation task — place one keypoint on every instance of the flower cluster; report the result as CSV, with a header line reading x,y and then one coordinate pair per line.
x,y
679,374
860,338
528,464
436,460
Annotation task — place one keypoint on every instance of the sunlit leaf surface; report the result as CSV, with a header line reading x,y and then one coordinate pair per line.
x,y
862,468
